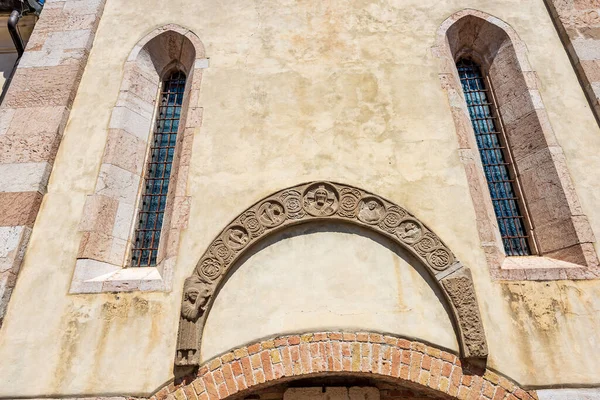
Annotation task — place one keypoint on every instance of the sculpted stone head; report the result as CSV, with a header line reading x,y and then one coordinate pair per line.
x,y
195,298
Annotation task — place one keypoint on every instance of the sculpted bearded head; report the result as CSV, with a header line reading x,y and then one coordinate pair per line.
x,y
195,298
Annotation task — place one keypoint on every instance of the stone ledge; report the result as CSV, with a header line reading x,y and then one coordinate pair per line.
x,y
93,276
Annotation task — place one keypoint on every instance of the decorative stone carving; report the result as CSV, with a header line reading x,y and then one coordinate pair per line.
x,y
321,200
332,201
196,295
459,287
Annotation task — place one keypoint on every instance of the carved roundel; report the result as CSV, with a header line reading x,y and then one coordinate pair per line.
x,y
236,237
426,244
271,213
292,201
371,210
252,224
392,219
321,200
221,251
439,259
210,268
349,202
409,231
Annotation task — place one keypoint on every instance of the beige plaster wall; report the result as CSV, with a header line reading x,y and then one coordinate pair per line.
x,y
297,91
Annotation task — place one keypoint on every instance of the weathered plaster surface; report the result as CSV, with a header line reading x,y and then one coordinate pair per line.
x,y
299,91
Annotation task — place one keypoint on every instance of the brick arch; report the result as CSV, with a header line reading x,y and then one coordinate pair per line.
x,y
291,357
322,201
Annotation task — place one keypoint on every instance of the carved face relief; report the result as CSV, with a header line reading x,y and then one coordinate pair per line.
x,y
195,299
371,210
321,200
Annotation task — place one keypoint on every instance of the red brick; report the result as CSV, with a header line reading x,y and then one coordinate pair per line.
x,y
476,386
236,367
404,371
214,364
293,340
247,367
329,355
267,344
405,357
228,357
278,371
396,363
281,342
347,364
203,396
190,393
463,392
403,344
335,336
287,361
259,377
295,353
386,368
349,337
415,366
305,358
198,385
211,388
436,373
229,379
320,337
448,357
446,369
218,377
346,350
253,349
426,364
336,349
466,380
266,364
241,382
521,394
255,361
500,393
375,338
391,340
362,337
314,350
164,392
375,358
222,389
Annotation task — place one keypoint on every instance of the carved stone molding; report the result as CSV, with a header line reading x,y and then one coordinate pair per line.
x,y
318,201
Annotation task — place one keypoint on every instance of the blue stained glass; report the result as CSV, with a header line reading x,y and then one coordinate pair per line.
x,y
158,173
496,165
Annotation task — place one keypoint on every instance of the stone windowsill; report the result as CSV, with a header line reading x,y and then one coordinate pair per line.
x,y
539,268
95,277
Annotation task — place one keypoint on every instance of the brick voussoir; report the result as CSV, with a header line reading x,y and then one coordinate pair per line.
x,y
298,356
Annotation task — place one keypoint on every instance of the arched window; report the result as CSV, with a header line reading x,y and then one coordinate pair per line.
x,y
497,163
140,205
532,207
158,172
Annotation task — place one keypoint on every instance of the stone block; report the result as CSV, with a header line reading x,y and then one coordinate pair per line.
x,y
6,117
43,86
96,246
130,121
125,150
24,177
19,208
13,242
27,148
118,183
526,135
122,228
88,275
99,214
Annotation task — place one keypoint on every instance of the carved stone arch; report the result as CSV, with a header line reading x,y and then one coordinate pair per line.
x,y
322,201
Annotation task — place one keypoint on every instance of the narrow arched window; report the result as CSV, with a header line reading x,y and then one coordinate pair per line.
x,y
496,160
158,172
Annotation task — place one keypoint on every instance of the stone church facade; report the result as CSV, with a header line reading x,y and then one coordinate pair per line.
x,y
278,199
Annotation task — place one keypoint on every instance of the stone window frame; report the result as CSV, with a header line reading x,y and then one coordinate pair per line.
x,y
109,214
565,246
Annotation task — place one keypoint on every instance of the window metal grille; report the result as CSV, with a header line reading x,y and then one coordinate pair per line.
x,y
495,157
158,172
